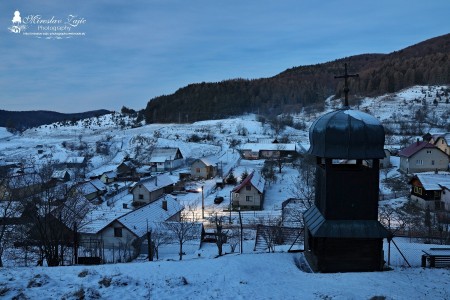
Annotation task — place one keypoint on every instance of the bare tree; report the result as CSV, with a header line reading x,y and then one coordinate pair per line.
x,y
221,235
233,238
9,210
303,187
159,237
181,231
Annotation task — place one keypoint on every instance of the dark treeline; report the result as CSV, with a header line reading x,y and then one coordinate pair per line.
x,y
307,86
19,120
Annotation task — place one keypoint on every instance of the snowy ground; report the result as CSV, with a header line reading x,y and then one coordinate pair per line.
x,y
233,276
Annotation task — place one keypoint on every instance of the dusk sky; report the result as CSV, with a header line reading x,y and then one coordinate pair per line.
x,y
133,51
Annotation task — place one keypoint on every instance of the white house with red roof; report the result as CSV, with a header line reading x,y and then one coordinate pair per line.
x,y
250,193
422,157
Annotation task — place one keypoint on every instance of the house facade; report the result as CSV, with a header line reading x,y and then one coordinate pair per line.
x,y
250,193
430,190
422,157
108,177
204,168
124,234
442,142
266,151
150,189
166,159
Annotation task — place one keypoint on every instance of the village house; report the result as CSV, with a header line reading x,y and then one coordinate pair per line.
x,y
431,190
75,162
126,232
422,157
267,151
442,142
108,177
250,193
126,169
166,159
150,189
93,189
205,167
61,175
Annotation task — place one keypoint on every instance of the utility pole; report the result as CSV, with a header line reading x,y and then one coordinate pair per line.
x,y
203,204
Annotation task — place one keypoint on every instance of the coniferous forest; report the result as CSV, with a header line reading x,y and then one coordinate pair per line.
x,y
307,86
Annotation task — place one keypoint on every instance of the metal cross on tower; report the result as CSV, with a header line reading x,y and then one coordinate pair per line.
x,y
346,89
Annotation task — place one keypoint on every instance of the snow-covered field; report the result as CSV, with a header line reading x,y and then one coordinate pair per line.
x,y
233,276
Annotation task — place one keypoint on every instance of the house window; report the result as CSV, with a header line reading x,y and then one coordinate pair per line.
x,y
429,151
418,190
249,198
141,197
197,170
248,187
432,162
437,195
117,232
419,162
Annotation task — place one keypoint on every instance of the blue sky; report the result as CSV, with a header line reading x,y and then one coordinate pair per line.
x,y
136,50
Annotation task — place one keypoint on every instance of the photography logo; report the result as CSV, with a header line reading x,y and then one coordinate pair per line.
x,y
47,27
17,26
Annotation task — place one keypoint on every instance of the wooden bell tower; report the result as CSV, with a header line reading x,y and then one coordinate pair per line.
x,y
342,231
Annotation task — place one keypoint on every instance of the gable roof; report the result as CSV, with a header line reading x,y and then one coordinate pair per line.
x,y
97,219
414,148
433,181
155,183
254,179
92,186
209,161
60,174
445,136
136,220
164,154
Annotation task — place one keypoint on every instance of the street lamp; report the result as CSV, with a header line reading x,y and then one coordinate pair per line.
x,y
203,204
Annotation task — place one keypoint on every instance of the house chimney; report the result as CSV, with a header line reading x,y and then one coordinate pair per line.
x,y
164,204
125,205
156,180
418,142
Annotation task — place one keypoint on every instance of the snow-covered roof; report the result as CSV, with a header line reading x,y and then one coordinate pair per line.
x,y
156,182
256,147
75,160
97,219
110,174
59,174
92,186
209,161
255,179
433,181
163,154
98,184
137,220
159,159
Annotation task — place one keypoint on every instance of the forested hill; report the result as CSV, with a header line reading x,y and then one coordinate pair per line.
x,y
18,120
425,63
